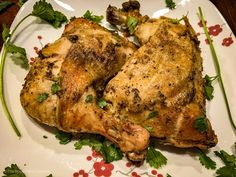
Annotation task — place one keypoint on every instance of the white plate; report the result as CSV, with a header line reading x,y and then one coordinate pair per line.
x,y
38,156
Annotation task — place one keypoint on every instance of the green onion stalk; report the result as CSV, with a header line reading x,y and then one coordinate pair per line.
x,y
217,67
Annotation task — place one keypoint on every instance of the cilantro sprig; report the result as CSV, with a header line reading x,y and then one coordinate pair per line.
x,y
155,158
170,4
206,161
208,88
95,18
217,67
44,11
102,146
13,171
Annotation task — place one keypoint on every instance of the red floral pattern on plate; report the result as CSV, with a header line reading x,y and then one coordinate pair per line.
x,y
215,30
227,41
103,169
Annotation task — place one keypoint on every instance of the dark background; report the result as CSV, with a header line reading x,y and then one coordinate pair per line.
x,y
226,7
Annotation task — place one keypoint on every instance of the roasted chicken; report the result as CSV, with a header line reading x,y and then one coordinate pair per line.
x,y
79,65
156,90
161,86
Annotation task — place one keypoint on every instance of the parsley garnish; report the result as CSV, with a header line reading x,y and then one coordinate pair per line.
x,y
95,18
102,146
43,10
49,175
55,88
208,87
102,103
200,124
4,5
132,22
170,4
155,158
89,98
152,114
64,137
13,171
206,161
42,97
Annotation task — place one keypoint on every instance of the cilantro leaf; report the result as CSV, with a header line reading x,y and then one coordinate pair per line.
x,y
45,11
5,32
104,147
64,137
55,88
20,59
4,5
206,161
149,128
42,97
89,98
132,22
110,152
155,158
170,4
208,88
226,171
167,175
49,175
13,171
21,2
95,18
101,103
229,160
200,124
152,114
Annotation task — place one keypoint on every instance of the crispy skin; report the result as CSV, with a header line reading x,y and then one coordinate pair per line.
x,y
82,61
163,76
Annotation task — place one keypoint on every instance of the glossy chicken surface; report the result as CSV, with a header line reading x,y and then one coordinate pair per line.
x,y
161,86
80,63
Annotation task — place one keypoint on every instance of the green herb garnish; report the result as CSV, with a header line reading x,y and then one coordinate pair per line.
x,y
43,10
55,88
155,158
167,175
132,22
217,67
229,170
89,98
206,161
13,171
49,175
102,146
95,18
149,128
200,124
42,97
208,87
101,103
170,4
152,114
4,5
64,137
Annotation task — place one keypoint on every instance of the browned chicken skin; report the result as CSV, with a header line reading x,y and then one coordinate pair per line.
x,y
81,62
162,78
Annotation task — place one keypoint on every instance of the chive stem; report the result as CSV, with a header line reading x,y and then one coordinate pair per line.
x,y
217,67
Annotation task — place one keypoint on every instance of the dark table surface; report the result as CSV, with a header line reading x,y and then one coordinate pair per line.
x,y
226,7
